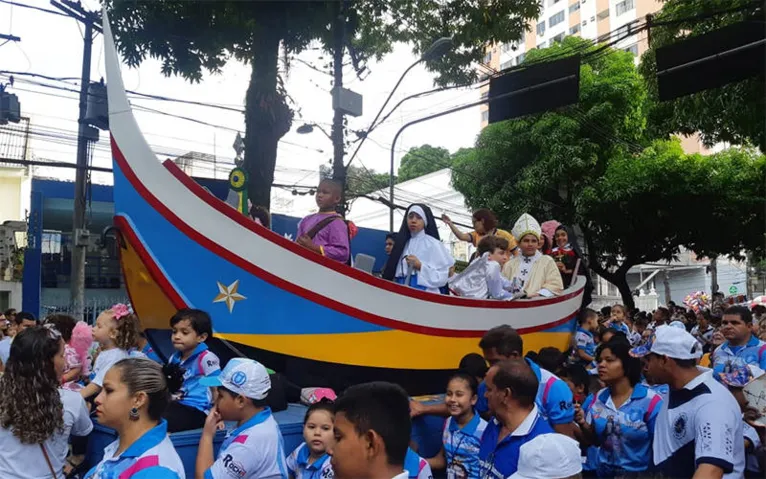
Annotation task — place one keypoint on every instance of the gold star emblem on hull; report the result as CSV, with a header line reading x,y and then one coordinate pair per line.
x,y
228,294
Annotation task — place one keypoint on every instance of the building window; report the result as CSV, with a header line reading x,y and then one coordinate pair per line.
x,y
574,7
507,64
603,14
575,29
633,49
624,6
506,47
485,116
487,58
556,19
541,29
557,38
520,59
553,2
542,45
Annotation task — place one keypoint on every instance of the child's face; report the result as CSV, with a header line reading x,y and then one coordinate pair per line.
x,y
478,226
499,256
185,338
318,432
389,245
105,329
415,223
577,391
351,452
327,196
227,405
618,314
528,245
592,323
460,399
562,238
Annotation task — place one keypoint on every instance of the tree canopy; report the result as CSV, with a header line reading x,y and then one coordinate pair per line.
x,y
193,37
422,160
593,165
734,113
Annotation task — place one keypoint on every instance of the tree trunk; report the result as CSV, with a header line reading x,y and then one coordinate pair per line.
x,y
267,116
618,278
713,276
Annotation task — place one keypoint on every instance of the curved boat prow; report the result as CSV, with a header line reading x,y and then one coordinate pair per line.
x,y
297,311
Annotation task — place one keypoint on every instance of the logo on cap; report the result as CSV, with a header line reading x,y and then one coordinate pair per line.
x,y
239,378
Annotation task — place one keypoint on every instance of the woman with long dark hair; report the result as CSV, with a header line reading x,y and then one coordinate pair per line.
x,y
37,416
136,393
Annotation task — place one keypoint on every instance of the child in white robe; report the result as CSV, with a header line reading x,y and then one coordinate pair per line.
x,y
482,279
532,272
423,262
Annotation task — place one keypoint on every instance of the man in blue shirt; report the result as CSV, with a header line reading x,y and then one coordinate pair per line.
x,y
554,398
511,391
741,345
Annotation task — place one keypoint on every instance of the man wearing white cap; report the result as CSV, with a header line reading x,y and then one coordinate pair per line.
x,y
698,432
549,456
255,449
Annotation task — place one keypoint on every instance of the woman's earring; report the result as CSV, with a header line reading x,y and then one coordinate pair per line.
x,y
133,415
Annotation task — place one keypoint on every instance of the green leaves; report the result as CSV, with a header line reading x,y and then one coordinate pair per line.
x,y
422,160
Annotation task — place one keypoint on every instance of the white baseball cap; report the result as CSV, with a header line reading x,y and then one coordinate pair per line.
x,y
242,376
672,342
549,456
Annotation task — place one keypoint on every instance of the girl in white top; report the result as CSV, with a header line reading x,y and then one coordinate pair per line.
x,y
135,393
419,259
310,460
116,332
36,415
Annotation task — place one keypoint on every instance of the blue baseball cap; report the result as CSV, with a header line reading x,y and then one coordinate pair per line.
x,y
242,376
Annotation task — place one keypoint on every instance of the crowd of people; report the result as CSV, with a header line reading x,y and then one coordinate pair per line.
x,y
636,395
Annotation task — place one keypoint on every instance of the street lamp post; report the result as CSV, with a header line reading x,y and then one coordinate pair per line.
x,y
448,112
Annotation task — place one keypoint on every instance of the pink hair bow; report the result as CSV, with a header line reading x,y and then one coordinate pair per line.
x,y
120,311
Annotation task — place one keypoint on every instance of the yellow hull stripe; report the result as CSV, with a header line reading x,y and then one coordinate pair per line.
x,y
385,349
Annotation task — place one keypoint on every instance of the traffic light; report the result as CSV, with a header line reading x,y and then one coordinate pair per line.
x,y
10,108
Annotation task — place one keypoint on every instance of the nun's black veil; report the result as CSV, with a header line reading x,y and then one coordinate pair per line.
x,y
403,236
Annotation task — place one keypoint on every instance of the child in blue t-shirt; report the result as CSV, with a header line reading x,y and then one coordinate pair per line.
x,y
461,436
189,409
585,344
310,460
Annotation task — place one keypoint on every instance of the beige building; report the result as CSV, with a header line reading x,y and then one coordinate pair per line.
x,y
591,19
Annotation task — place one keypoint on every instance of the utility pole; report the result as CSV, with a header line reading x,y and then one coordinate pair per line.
x,y
339,34
85,134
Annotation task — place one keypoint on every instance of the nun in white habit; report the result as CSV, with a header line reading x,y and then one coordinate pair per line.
x,y
423,262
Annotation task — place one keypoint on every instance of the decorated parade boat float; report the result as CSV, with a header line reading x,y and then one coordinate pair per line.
x,y
319,322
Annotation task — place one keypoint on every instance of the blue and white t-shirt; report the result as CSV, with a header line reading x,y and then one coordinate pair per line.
x,y
584,341
590,460
152,456
625,433
699,424
754,352
298,465
620,327
499,460
416,467
5,349
253,450
104,361
461,447
202,362
149,352
554,398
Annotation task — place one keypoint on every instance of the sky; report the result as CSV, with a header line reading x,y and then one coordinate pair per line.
x,y
52,45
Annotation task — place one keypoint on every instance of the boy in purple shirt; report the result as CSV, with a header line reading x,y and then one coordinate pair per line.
x,y
326,232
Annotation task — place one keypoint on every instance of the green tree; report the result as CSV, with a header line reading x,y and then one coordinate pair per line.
x,y
734,113
422,160
192,37
538,163
361,181
645,207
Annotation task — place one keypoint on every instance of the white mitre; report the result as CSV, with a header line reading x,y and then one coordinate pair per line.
x,y
526,225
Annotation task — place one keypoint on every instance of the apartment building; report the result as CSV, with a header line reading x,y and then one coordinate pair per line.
x,y
590,19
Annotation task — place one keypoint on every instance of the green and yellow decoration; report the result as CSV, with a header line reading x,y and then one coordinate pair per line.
x,y
238,184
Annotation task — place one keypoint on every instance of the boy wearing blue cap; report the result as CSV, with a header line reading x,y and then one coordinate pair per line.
x,y
255,448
